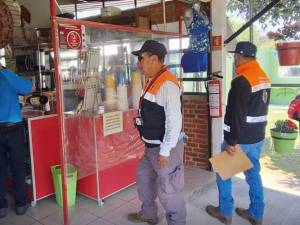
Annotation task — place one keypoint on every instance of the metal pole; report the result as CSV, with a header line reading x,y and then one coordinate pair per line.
x,y
59,102
76,9
164,13
250,16
39,63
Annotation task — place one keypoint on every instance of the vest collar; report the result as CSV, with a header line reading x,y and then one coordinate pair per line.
x,y
246,66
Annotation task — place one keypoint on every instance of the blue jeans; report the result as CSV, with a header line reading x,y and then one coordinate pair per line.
x,y
256,207
12,154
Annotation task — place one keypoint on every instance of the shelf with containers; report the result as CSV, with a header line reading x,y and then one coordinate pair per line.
x,y
100,89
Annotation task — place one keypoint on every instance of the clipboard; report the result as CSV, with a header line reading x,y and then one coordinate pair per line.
x,y
228,165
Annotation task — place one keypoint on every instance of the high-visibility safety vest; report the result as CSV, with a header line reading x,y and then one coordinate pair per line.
x,y
247,108
153,115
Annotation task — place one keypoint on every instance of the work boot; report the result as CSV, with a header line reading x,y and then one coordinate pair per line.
x,y
246,215
3,212
214,212
21,210
139,218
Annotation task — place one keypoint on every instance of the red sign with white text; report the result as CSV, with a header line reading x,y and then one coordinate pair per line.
x,y
71,36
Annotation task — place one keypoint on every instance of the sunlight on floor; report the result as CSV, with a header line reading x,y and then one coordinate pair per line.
x,y
279,172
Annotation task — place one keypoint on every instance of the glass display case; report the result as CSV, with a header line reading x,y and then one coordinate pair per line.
x,y
100,86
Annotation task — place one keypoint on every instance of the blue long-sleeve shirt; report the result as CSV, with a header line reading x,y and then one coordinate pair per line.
x,y
12,85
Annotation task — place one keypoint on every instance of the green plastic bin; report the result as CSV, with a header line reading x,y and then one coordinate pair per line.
x,y
71,184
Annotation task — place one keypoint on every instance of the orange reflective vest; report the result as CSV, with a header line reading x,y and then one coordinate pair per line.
x,y
247,106
152,114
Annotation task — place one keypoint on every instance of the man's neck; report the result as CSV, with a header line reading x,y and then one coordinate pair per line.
x,y
246,61
156,70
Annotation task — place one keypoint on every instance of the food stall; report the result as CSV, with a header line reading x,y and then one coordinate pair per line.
x,y
97,92
99,137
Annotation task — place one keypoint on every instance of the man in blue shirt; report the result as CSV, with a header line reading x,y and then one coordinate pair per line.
x,y
12,138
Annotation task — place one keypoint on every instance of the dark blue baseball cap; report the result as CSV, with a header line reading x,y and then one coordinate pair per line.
x,y
153,47
245,48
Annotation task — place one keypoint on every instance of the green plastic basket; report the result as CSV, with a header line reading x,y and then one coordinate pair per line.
x,y
71,184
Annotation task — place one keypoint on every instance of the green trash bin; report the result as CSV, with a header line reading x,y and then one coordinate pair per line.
x,y
71,184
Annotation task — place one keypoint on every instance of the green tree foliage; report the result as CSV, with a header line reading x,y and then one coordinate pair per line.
x,y
244,36
285,12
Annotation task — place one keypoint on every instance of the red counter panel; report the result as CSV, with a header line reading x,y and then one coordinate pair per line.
x,y
114,156
44,150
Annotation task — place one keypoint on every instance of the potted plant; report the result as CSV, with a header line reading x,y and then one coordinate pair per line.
x,y
284,136
287,44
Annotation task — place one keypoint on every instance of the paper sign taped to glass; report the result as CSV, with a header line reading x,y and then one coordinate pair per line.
x,y
228,165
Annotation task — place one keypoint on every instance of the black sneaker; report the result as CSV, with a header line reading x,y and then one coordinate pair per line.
x,y
3,212
21,210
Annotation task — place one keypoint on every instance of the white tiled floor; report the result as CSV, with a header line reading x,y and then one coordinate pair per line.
x,y
281,208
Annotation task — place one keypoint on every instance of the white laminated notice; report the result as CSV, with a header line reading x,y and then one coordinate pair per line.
x,y
112,123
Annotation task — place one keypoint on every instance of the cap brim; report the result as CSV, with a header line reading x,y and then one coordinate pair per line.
x,y
136,53
241,54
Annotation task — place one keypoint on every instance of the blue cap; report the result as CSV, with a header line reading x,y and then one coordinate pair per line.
x,y
245,48
153,47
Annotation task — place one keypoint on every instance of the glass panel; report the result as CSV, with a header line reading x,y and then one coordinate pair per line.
x,y
101,86
289,71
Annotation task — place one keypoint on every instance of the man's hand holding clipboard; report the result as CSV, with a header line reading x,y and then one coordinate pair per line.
x,y
228,164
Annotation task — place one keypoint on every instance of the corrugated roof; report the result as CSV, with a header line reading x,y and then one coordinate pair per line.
x,y
122,4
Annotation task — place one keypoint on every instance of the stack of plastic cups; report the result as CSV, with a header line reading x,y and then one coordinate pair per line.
x,y
110,92
122,97
136,88
122,91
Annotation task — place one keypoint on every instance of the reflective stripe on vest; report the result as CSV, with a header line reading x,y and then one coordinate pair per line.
x,y
256,119
150,97
260,87
226,128
249,119
151,141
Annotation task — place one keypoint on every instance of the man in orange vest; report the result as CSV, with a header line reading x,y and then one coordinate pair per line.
x,y
159,121
244,124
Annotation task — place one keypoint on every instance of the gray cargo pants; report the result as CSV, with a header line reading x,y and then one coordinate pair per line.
x,y
166,182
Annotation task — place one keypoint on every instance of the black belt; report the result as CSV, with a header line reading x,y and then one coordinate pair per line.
x,y
148,145
10,124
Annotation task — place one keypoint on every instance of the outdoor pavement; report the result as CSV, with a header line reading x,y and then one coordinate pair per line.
x,y
282,204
